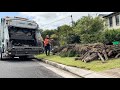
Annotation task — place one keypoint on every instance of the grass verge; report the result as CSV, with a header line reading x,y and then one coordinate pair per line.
x,y
94,65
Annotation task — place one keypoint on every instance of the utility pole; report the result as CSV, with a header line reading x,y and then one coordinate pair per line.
x,y
59,35
72,21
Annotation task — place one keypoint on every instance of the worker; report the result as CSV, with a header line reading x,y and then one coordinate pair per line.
x,y
47,45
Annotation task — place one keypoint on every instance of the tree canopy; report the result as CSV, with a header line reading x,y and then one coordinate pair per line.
x,y
87,29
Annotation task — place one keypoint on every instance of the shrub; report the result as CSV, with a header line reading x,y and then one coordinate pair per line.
x,y
63,54
92,38
73,39
111,35
71,53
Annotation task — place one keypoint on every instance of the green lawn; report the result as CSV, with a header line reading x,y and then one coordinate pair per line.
x,y
94,65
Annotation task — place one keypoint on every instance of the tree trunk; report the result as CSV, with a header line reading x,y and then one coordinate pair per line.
x,y
105,55
110,52
85,55
78,58
100,56
91,57
117,55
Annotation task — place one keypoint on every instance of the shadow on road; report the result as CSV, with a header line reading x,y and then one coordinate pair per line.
x,y
16,60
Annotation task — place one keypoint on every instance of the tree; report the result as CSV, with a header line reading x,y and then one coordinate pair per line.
x,y
89,25
111,36
63,33
89,28
85,30
47,32
73,39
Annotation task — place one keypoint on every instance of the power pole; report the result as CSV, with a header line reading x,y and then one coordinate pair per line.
x,y
59,36
72,21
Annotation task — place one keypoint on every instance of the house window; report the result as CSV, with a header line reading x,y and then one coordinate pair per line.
x,y
117,19
110,22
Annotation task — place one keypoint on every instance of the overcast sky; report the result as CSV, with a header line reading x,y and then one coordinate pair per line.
x,y
45,19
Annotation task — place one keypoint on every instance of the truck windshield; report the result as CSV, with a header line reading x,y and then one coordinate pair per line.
x,y
22,36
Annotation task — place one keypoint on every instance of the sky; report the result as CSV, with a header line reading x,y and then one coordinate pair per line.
x,y
51,20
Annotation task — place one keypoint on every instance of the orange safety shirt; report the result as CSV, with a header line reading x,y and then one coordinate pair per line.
x,y
46,41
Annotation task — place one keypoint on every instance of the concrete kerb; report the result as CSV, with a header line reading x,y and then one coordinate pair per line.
x,y
77,71
61,66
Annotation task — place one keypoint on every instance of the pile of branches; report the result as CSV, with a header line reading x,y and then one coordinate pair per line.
x,y
90,52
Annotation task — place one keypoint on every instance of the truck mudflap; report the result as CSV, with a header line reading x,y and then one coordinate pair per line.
x,y
21,51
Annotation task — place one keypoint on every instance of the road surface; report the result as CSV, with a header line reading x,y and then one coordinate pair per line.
x,y
16,68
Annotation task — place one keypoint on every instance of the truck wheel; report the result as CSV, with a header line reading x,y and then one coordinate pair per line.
x,y
23,57
30,57
11,57
1,56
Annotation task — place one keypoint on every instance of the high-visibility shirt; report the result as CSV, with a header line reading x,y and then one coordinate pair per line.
x,y
46,42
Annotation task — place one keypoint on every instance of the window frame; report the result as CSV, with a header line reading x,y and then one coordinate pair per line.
x,y
117,21
111,21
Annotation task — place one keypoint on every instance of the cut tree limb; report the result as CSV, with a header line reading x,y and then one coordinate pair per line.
x,y
91,57
110,52
78,58
117,55
100,56
86,55
105,55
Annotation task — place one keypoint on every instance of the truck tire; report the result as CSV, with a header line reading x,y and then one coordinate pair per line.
x,y
11,57
23,57
30,57
1,56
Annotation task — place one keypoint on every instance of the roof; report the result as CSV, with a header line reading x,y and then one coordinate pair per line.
x,y
109,15
19,18
102,14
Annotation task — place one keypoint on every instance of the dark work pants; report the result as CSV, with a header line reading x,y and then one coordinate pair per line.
x,y
47,50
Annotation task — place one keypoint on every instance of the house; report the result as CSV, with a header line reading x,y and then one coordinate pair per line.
x,y
102,15
113,20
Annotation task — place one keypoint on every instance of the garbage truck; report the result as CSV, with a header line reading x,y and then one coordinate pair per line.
x,y
20,37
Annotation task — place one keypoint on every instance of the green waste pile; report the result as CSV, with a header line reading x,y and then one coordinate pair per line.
x,y
88,52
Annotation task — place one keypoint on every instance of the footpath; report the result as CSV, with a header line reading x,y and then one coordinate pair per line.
x,y
113,73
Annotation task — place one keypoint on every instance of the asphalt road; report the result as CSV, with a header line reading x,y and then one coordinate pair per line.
x,y
17,68
24,69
